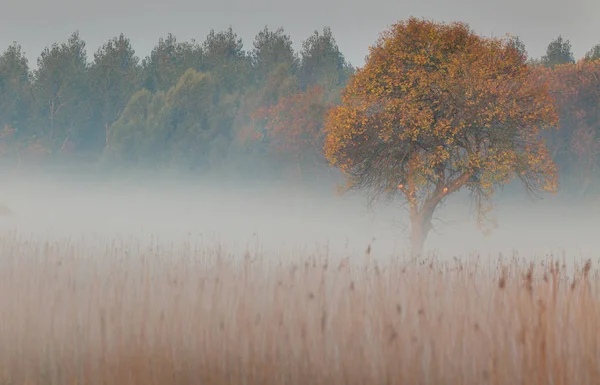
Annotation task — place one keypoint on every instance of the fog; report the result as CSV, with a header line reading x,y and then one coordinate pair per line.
x,y
280,218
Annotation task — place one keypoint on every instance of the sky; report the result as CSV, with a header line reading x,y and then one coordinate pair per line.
x,y
356,24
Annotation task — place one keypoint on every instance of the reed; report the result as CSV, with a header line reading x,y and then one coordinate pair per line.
x,y
132,313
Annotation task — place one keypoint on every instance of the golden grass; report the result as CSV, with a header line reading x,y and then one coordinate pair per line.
x,y
132,314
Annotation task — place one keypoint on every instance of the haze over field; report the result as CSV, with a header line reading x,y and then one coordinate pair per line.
x,y
279,216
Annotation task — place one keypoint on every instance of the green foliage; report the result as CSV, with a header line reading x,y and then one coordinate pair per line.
x,y
128,134
225,58
558,52
61,94
516,43
15,97
593,54
322,63
185,103
173,127
168,61
113,76
272,52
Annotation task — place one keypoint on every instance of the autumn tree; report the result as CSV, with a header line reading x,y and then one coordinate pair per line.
x,y
293,128
435,109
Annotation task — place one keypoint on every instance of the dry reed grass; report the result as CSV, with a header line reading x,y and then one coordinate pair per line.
x,y
131,314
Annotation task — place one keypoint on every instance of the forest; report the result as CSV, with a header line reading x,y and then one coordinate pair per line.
x,y
218,104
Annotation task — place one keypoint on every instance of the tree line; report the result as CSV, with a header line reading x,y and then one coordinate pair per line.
x,y
187,104
204,105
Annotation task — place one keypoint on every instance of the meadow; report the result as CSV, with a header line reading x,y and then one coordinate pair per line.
x,y
123,283
126,312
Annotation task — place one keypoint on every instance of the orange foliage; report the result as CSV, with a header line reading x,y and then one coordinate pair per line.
x,y
294,125
247,134
436,108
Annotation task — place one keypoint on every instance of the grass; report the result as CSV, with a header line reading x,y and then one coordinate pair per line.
x,y
127,313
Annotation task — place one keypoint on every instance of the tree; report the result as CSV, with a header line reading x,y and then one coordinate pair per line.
x,y
576,142
177,126
61,93
271,50
226,60
192,119
558,52
15,87
250,135
127,135
294,127
168,61
322,63
438,108
593,54
516,43
114,77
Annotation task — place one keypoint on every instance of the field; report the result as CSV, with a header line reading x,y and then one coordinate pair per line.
x,y
132,313
106,283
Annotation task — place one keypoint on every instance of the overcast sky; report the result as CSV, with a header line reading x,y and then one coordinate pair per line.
x,y
356,24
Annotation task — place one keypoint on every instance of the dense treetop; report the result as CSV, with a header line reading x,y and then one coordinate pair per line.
x,y
437,108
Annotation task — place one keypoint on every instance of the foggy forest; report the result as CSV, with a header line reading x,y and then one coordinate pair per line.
x,y
234,212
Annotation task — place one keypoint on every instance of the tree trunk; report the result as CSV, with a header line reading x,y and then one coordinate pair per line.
x,y
420,227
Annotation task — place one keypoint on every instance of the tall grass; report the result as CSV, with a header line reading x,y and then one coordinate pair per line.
x,y
127,313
